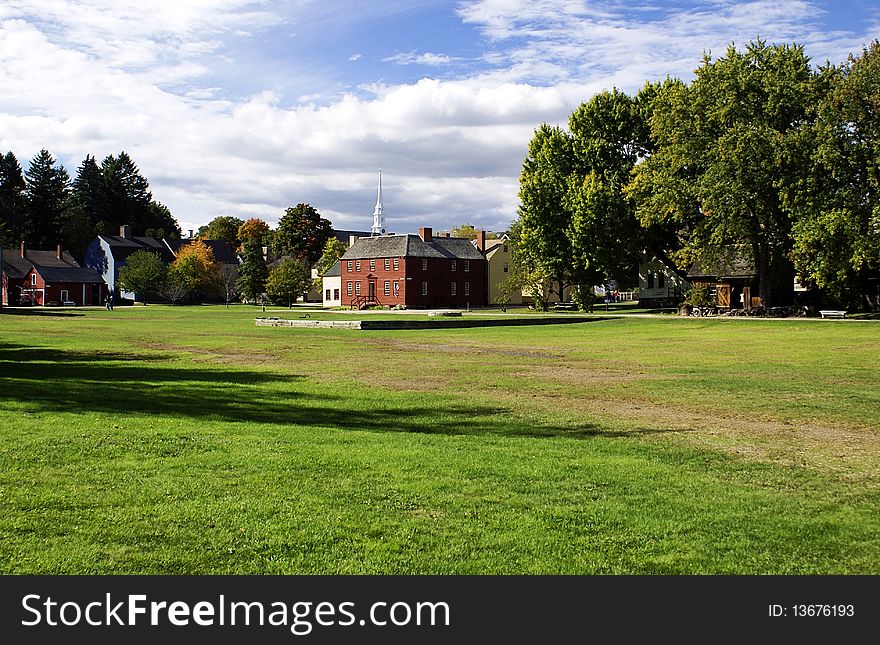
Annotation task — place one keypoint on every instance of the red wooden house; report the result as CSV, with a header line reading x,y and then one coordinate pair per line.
x,y
419,271
49,278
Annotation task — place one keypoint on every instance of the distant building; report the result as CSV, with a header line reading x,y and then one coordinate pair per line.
x,y
497,254
414,271
108,253
48,278
332,286
729,276
659,284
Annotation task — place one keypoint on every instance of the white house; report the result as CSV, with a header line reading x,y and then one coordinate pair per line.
x,y
331,287
659,284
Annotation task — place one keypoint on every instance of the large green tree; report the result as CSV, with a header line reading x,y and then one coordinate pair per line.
x,y
729,147
837,238
45,197
544,246
576,226
302,234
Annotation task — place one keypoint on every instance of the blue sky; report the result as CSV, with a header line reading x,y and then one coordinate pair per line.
x,y
246,107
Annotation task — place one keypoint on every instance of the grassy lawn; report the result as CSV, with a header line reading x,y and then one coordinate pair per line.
x,y
188,440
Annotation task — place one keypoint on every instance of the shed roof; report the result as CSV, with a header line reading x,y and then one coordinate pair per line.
x,y
335,270
734,261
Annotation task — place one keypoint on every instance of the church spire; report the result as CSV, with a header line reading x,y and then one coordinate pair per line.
x,y
378,212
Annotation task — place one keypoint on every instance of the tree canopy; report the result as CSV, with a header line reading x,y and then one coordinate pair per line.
x,y
225,228
287,281
143,273
302,233
195,267
760,150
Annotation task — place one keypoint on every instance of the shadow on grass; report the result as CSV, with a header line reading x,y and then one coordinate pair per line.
x,y
42,380
20,311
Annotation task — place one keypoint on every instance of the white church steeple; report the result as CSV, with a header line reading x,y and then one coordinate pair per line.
x,y
378,212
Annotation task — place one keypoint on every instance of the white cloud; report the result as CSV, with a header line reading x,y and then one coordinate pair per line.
x,y
108,75
413,58
355,57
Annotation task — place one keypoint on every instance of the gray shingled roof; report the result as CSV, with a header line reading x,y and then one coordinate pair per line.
x,y
14,265
122,247
335,270
69,274
49,265
412,246
727,262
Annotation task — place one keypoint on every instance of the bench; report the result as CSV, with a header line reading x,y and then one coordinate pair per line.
x,y
832,313
564,306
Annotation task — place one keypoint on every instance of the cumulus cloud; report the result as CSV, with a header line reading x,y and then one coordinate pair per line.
x,y
414,58
109,75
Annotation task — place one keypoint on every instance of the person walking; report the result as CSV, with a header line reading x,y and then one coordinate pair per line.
x,y
110,302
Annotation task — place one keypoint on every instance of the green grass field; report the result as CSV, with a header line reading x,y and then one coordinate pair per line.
x,y
188,440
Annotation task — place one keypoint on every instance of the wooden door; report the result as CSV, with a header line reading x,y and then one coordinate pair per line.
x,y
723,291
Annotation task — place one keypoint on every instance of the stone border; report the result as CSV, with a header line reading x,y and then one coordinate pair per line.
x,y
425,324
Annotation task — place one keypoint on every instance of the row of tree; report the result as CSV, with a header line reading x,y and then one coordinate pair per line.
x,y
195,273
43,207
761,149
302,233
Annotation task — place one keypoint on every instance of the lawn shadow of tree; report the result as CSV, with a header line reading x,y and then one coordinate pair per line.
x,y
44,380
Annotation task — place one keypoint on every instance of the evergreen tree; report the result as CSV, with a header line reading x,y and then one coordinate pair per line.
x,y
46,194
127,196
12,202
252,273
83,209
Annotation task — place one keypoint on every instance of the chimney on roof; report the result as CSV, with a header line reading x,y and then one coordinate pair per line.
x,y
446,234
125,231
190,234
58,250
426,234
352,239
481,241
23,250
